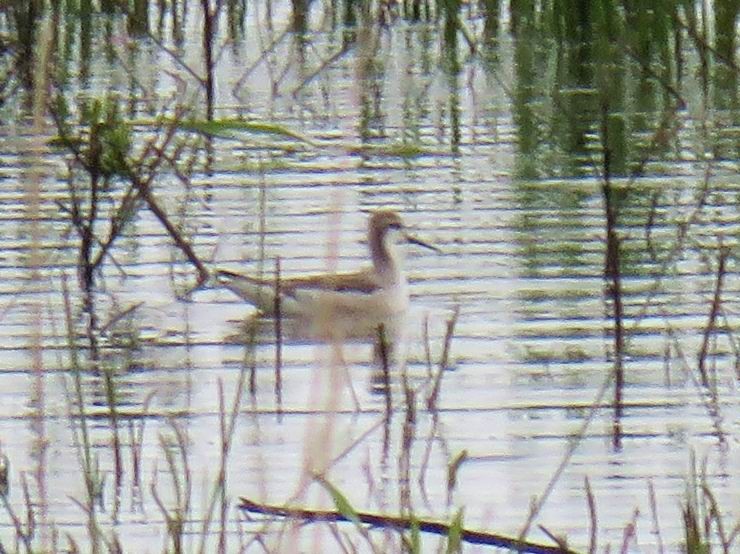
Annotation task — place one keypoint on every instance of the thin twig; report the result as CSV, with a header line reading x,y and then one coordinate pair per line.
x,y
708,397
178,59
701,42
20,534
263,54
118,317
327,63
538,503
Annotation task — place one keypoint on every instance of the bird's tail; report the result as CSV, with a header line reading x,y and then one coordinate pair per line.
x,y
258,292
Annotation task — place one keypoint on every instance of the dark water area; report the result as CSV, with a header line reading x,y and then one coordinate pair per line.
x,y
554,152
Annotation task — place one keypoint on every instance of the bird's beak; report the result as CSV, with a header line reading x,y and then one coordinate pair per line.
x,y
413,240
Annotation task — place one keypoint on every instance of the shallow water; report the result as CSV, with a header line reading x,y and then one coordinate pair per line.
x,y
519,216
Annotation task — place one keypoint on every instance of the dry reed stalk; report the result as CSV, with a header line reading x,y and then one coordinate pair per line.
x,y
178,516
136,439
90,467
539,502
264,52
724,254
22,536
32,202
427,347
257,536
452,470
250,357
562,542
444,360
407,442
708,397
227,432
210,18
278,341
613,276
593,519
629,535
384,359
319,439
654,513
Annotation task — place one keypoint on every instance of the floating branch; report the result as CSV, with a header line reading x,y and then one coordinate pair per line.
x,y
142,186
233,128
403,524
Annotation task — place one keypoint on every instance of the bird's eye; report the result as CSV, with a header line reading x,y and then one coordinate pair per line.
x,y
395,225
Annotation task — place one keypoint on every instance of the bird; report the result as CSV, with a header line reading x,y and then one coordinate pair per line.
x,y
371,295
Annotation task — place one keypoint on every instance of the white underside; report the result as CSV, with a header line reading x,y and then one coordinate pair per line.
x,y
331,313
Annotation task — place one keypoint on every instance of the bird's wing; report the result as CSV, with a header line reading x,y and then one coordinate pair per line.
x,y
363,281
359,281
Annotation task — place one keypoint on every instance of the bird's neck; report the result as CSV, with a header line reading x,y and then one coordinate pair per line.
x,y
386,259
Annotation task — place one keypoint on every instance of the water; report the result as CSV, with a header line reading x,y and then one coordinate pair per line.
x,y
507,184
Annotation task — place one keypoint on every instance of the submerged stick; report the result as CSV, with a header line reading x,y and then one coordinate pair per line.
x,y
402,524
209,17
278,341
384,355
613,278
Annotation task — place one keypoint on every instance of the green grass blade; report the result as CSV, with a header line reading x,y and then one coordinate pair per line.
x,y
415,537
454,537
341,503
403,150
